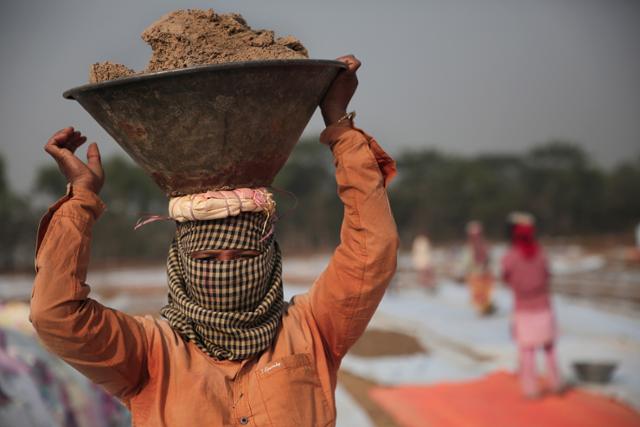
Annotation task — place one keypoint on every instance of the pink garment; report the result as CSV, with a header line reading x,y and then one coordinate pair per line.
x,y
528,374
534,328
528,278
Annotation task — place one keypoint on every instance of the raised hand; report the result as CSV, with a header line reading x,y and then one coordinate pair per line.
x,y
335,103
62,146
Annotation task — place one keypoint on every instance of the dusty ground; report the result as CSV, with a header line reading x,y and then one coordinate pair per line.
x,y
379,343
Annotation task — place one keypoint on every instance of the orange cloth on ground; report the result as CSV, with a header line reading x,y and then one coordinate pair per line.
x,y
166,381
496,401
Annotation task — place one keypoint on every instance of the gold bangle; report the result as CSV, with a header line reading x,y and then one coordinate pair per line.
x,y
349,116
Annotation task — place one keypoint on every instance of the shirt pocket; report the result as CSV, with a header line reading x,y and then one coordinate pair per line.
x,y
292,393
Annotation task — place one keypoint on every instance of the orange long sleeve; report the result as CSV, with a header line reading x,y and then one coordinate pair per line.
x,y
346,295
106,345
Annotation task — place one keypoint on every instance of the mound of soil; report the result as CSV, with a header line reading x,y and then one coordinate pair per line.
x,y
104,71
186,38
379,343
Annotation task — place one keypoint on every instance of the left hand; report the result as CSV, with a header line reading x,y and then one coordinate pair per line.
x,y
335,103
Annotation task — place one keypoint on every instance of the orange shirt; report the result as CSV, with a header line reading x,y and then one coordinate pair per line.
x,y
166,381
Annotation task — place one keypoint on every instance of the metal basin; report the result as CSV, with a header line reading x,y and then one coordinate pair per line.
x,y
595,372
211,127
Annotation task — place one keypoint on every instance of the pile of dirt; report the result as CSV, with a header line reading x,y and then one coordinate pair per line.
x,y
103,71
379,343
186,38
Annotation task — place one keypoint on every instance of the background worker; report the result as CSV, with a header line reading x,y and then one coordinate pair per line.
x,y
525,269
422,260
477,269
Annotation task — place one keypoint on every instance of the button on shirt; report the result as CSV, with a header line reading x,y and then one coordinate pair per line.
x,y
167,381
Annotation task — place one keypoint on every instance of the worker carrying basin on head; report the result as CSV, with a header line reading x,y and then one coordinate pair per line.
x,y
228,350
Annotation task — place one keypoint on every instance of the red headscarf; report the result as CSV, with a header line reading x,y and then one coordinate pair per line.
x,y
524,239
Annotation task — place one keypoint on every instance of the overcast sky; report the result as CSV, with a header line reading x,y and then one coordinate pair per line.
x,y
466,76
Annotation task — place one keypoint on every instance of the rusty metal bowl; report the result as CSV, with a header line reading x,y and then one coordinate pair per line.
x,y
211,127
595,372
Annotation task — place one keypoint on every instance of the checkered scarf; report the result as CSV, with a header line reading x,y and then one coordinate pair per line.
x,y
229,309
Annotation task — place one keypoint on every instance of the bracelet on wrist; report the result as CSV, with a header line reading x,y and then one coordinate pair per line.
x,y
347,117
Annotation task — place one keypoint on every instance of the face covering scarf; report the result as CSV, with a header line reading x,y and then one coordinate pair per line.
x,y
229,309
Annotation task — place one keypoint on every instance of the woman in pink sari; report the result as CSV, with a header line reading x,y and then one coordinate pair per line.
x,y
525,270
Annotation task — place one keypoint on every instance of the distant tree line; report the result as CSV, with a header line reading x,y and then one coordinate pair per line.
x,y
434,192
556,181
16,225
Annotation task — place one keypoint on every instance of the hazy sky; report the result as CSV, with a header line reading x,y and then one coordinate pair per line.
x,y
466,76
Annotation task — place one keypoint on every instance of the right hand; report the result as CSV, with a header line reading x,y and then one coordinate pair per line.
x,y
336,101
62,146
